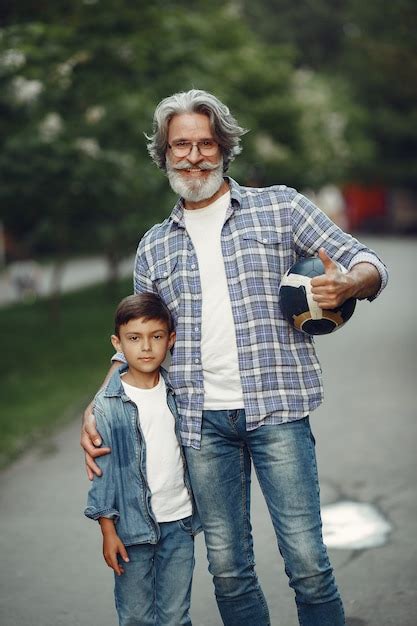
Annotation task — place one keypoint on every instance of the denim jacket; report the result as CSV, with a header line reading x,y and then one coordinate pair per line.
x,y
122,492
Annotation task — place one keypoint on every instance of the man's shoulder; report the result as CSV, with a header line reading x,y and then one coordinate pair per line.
x,y
155,235
111,390
159,234
263,196
157,229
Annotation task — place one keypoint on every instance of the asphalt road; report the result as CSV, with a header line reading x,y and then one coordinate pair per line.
x,y
52,571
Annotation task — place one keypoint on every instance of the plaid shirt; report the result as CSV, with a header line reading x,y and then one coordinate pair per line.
x,y
265,232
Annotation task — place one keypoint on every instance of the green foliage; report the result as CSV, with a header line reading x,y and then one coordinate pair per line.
x,y
314,30
371,47
380,61
326,89
52,371
71,162
78,96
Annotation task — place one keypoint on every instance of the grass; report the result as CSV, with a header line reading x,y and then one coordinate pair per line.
x,y
51,369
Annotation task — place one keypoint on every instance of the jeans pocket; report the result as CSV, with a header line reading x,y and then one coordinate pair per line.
x,y
186,525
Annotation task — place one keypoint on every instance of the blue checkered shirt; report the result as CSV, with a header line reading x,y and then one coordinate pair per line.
x,y
265,232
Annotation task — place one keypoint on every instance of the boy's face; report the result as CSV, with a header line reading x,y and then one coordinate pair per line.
x,y
144,344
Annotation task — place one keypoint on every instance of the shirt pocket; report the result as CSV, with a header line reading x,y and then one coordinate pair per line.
x,y
262,253
167,280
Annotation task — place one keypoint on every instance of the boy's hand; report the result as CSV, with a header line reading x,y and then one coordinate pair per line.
x,y
112,546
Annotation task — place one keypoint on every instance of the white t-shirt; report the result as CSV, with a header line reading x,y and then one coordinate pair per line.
x,y
219,358
170,499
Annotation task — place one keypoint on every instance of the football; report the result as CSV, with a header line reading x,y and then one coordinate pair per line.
x,y
298,306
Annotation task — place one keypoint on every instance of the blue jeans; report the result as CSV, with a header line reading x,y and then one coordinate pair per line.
x,y
285,463
155,588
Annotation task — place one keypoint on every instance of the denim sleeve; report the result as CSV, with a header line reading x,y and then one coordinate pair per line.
x,y
101,501
313,229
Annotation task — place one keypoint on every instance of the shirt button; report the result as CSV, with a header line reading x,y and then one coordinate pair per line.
x,y
196,329
196,360
193,266
165,273
265,240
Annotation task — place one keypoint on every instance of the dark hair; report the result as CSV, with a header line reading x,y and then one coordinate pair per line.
x,y
147,306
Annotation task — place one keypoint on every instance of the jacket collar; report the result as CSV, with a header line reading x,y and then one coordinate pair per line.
x,y
114,387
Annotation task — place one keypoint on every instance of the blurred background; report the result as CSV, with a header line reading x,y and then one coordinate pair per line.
x,y
327,89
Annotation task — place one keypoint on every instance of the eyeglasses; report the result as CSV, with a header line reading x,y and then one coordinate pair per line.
x,y
206,147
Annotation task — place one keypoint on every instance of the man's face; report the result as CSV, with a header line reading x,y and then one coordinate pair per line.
x,y
195,177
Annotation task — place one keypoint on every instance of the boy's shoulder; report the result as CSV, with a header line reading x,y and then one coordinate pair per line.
x,y
112,389
100,404
99,397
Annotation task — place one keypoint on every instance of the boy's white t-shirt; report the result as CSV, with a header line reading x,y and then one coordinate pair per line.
x,y
219,357
170,499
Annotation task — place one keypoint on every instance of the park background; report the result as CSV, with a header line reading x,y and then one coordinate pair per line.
x,y
327,90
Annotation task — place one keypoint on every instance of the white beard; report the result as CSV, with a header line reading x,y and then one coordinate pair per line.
x,y
195,190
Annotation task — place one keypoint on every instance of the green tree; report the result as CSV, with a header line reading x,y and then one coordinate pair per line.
x,y
77,98
78,86
366,52
313,30
380,62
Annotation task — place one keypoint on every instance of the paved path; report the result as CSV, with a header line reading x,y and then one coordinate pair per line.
x,y
77,273
52,571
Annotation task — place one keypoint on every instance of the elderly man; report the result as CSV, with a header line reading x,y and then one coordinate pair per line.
x,y
245,381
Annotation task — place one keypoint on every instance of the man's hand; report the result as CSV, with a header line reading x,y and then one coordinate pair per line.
x,y
332,288
90,438
90,442
112,546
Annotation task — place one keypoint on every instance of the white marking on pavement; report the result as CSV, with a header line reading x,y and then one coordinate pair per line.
x,y
353,525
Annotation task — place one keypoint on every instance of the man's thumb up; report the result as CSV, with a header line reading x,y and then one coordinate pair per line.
x,y
329,265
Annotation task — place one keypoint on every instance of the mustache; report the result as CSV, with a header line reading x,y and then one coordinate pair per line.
x,y
205,165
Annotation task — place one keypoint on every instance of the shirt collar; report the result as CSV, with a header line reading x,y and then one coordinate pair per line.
x,y
235,191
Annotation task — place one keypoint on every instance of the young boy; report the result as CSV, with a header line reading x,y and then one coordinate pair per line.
x,y
143,500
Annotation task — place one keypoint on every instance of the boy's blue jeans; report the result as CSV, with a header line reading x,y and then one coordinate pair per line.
x,y
284,459
156,585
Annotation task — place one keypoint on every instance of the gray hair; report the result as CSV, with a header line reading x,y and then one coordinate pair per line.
x,y
224,127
